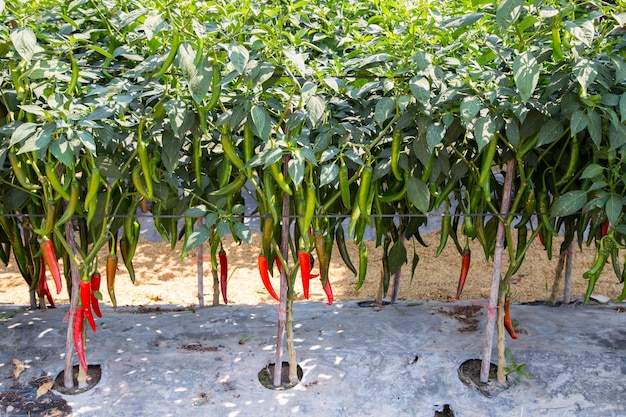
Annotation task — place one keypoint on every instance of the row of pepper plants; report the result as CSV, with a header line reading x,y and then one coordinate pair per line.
x,y
333,116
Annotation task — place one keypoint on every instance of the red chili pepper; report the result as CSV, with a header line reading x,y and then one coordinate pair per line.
x,y
95,286
85,299
305,271
78,337
508,324
223,274
265,277
44,291
605,228
467,256
329,293
47,249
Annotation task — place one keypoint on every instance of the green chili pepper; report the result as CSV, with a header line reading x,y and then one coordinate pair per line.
x,y
280,178
365,189
170,56
544,210
484,179
446,224
362,265
196,146
309,207
229,150
74,79
572,166
343,250
48,224
93,186
231,188
144,160
216,88
55,182
20,173
72,204
396,144
344,186
248,147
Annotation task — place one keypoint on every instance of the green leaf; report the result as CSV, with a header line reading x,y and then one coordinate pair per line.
x,y
584,32
86,139
549,132
418,194
328,174
434,135
397,257
198,237
511,129
578,121
622,107
223,228
420,87
186,60
569,203
25,43
470,106
239,56
22,132
61,150
200,82
243,232
594,126
526,74
585,72
316,106
508,12
262,122
484,129
385,107
176,111
295,167
39,140
171,147
414,262
613,208
196,211
297,60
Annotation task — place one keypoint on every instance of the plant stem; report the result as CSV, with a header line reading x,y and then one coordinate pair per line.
x,y
68,379
200,266
495,278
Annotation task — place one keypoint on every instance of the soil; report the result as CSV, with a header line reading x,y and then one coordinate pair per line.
x,y
469,374
164,279
94,373
266,376
20,400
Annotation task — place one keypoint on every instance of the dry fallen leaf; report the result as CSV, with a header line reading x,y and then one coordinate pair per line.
x,y
44,388
19,368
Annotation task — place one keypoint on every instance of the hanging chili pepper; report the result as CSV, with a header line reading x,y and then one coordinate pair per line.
x,y
396,144
54,181
329,293
48,224
223,274
365,191
96,278
44,291
484,178
111,271
305,271
344,185
343,250
47,249
362,264
78,336
446,224
508,324
85,300
265,277
70,209
20,173
605,228
467,255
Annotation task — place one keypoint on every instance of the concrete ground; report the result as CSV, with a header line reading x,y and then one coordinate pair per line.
x,y
400,360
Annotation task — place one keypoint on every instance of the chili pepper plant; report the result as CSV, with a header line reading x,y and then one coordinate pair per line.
x,y
334,117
